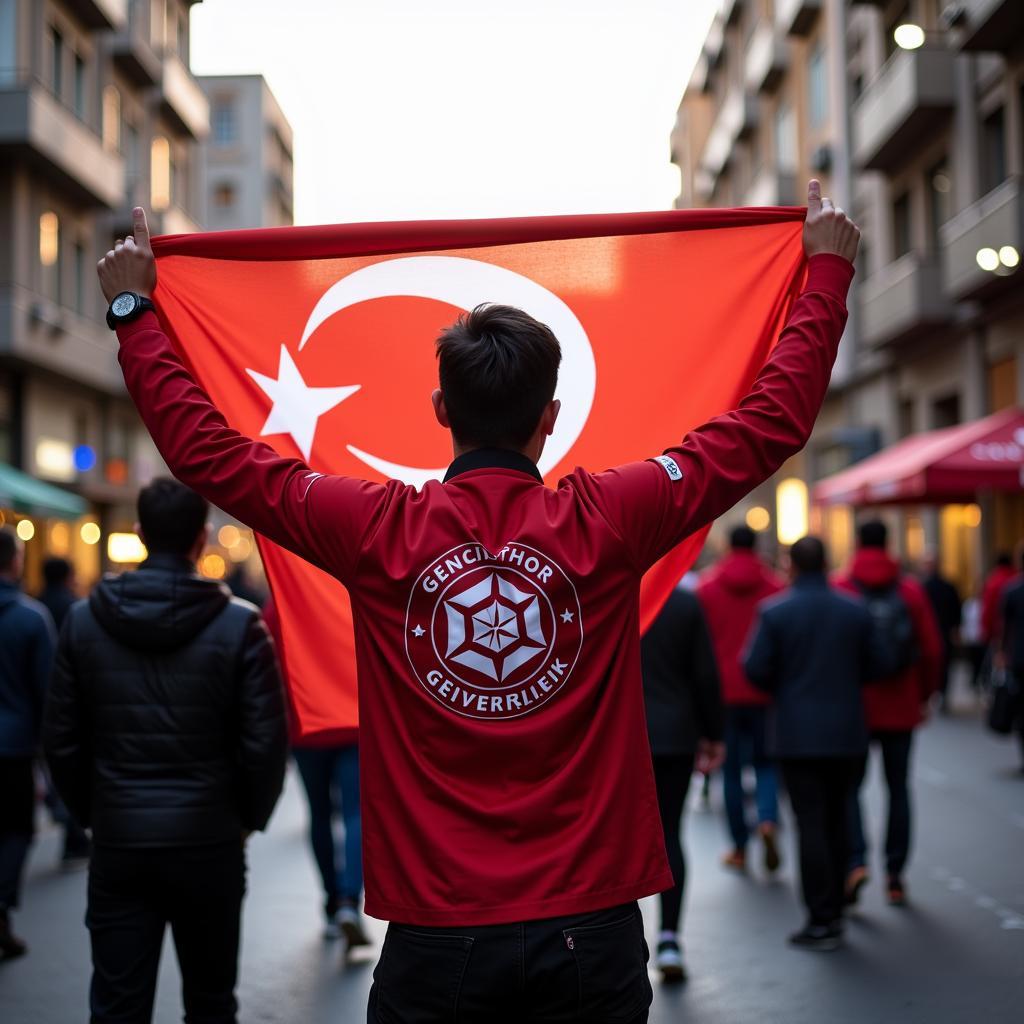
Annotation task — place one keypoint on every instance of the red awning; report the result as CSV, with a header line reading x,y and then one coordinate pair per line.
x,y
949,465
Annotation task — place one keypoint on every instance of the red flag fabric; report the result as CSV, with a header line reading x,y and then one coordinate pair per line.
x,y
320,342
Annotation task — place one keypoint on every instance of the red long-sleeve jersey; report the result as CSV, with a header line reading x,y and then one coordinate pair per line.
x,y
504,761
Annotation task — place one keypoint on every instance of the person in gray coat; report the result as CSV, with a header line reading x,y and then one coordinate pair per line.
x,y
812,649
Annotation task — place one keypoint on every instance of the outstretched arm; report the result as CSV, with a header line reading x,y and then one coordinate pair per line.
x,y
322,518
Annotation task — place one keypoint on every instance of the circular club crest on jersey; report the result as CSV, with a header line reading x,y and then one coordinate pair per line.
x,y
493,635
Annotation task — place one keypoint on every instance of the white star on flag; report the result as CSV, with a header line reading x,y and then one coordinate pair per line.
x,y
567,615
297,406
418,631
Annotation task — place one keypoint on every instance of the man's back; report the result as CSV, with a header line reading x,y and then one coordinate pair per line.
x,y
1013,625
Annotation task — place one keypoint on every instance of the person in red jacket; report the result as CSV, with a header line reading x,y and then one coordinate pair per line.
x,y
992,595
896,705
510,819
729,594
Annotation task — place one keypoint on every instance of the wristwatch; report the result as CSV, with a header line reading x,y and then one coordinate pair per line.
x,y
126,307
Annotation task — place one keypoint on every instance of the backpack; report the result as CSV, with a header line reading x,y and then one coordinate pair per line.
x,y
893,625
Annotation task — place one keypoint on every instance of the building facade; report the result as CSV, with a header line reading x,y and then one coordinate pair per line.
x,y
99,112
247,160
925,147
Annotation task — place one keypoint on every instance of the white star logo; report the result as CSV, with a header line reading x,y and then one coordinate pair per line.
x,y
297,406
567,615
418,631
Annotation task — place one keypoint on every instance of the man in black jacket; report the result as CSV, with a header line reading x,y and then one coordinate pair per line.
x,y
165,733
1011,646
684,726
813,648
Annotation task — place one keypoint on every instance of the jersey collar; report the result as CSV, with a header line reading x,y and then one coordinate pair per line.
x,y
492,458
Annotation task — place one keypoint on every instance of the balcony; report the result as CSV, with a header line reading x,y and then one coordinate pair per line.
x,y
797,17
772,187
992,24
903,300
33,123
134,55
100,14
993,221
736,119
183,100
907,101
767,59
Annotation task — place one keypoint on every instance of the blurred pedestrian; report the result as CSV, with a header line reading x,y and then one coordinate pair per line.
x,y
897,703
165,732
27,640
329,770
813,649
972,641
58,593
945,601
684,727
992,594
1011,646
729,594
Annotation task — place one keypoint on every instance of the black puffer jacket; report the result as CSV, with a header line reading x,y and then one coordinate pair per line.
x,y
165,722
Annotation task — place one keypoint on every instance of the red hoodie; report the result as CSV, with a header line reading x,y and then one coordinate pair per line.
x,y
895,703
729,594
991,598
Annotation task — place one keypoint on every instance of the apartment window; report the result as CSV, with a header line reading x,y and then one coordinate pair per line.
x,y
993,150
940,196
56,62
160,173
49,254
111,119
817,84
224,122
79,272
224,195
785,139
901,235
79,84
131,153
945,412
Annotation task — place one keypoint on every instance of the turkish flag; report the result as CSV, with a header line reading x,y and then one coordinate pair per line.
x,y
320,342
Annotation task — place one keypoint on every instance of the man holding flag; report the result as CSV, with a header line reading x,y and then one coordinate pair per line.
x,y
510,818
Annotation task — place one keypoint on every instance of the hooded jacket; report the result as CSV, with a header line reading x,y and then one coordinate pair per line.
x,y
729,594
895,703
27,640
165,723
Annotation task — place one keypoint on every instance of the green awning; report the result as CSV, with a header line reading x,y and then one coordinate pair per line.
x,y
25,494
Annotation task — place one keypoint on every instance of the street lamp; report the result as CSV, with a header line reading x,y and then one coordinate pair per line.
x,y
909,36
1002,261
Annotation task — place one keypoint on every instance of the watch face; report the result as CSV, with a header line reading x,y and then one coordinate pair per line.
x,y
123,304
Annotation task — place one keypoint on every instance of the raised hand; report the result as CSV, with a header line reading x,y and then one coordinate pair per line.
x,y
129,266
827,229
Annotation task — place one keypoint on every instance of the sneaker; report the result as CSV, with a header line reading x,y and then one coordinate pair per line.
x,y
351,923
735,859
332,930
11,946
855,881
896,892
817,937
669,961
771,847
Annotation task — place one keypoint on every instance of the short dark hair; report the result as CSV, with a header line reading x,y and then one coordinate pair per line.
x,y
56,571
171,516
1003,558
808,555
742,538
872,534
498,368
8,548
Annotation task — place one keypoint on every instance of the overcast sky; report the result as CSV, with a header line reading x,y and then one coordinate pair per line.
x,y
410,109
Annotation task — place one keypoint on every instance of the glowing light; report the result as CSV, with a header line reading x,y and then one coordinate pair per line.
x,y
241,551
1009,256
26,529
54,459
758,518
60,538
988,259
90,533
125,548
117,471
85,458
213,566
791,513
228,536
972,515
49,238
909,36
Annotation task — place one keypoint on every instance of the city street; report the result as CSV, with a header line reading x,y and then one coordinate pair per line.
x,y
956,954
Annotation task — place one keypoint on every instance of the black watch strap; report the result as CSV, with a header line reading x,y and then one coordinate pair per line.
x,y
144,304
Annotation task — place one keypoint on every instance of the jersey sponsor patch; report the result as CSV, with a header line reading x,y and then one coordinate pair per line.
x,y
493,636
670,466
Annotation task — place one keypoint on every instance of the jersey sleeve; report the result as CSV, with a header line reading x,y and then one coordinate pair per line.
x,y
322,518
655,504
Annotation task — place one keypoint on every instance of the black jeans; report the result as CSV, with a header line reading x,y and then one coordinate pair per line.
x,y
585,967
133,895
672,777
896,761
17,824
819,790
